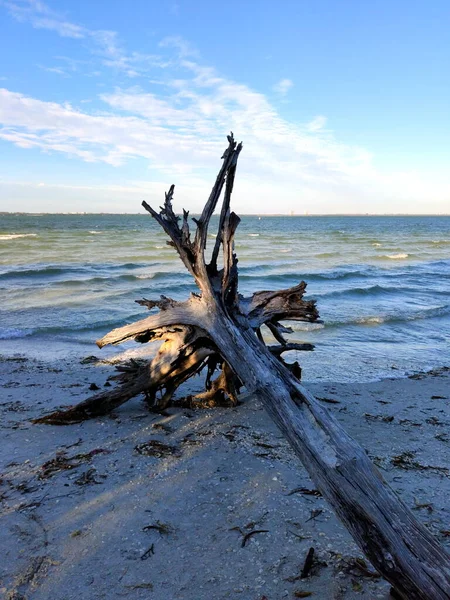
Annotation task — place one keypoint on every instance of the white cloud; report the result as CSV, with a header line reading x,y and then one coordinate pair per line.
x,y
184,125
283,86
180,131
317,123
181,135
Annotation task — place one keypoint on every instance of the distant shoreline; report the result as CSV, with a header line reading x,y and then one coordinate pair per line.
x,y
359,215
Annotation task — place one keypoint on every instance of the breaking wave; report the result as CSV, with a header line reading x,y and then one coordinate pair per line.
x,y
13,236
428,313
399,256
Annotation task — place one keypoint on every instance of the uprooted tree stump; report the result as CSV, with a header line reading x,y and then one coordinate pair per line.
x,y
219,330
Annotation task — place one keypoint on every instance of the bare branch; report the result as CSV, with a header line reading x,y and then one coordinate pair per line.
x,y
102,403
183,313
179,237
230,273
162,304
278,350
224,211
265,307
229,157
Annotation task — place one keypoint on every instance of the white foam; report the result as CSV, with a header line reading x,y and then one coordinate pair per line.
x,y
13,236
398,256
253,234
376,244
96,232
371,320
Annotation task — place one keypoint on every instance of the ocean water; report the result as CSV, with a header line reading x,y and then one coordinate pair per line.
x,y
382,285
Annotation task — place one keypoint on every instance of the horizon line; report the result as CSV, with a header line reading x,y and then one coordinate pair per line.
x,y
291,214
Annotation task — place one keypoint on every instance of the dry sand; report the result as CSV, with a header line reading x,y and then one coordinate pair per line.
x,y
123,524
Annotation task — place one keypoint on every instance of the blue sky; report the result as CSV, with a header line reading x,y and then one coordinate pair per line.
x,y
343,107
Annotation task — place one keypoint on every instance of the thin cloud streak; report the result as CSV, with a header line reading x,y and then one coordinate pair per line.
x,y
283,87
104,43
180,130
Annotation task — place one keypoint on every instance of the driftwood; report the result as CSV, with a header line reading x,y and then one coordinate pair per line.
x,y
219,329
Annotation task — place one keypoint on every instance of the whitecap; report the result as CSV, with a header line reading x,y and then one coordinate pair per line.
x,y
398,256
96,232
160,247
13,236
253,234
286,250
304,326
376,244
370,320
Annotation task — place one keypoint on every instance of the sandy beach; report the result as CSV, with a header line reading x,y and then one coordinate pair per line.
x,y
217,508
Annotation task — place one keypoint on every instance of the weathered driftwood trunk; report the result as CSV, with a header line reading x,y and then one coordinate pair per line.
x,y
218,327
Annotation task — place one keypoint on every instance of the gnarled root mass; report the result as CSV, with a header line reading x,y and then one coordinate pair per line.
x,y
187,350
219,330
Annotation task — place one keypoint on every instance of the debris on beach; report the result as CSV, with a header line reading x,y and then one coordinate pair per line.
x,y
309,560
305,492
88,360
406,461
62,462
157,449
88,478
161,528
247,535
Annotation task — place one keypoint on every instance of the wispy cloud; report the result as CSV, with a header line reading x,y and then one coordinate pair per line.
x,y
102,42
317,123
179,129
56,70
42,17
283,86
183,47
